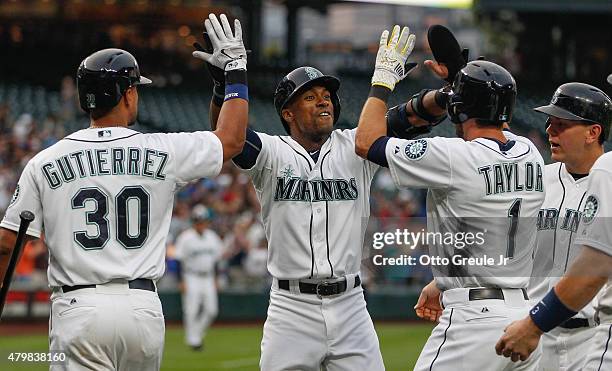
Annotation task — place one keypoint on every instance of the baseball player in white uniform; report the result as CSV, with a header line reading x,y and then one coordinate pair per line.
x,y
103,198
198,249
576,132
487,180
591,269
314,194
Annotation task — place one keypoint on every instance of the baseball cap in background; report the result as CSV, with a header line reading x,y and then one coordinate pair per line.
x,y
610,79
200,212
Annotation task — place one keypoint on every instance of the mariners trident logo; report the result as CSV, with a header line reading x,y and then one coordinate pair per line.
x,y
416,149
312,73
590,209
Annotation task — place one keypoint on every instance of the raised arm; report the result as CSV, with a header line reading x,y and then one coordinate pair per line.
x,y
229,54
390,69
218,78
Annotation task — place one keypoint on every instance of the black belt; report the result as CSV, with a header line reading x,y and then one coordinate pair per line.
x,y
323,288
485,294
139,284
574,323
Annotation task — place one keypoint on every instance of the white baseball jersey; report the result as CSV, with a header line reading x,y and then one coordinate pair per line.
x,y
198,253
558,223
103,198
481,186
594,230
314,212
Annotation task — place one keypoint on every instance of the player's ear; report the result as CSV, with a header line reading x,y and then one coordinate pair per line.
x,y
130,96
593,133
287,115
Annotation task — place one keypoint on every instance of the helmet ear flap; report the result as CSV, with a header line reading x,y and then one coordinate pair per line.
x,y
455,107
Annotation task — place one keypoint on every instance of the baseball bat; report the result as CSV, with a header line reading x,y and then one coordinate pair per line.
x,y
26,218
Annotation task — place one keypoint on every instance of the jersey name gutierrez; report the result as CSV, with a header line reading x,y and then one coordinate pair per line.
x,y
108,161
298,189
505,177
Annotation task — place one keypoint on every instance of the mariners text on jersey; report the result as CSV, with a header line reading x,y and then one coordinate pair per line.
x,y
298,189
107,161
506,177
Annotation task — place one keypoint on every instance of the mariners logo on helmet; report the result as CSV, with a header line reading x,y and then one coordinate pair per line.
x,y
312,73
590,209
555,97
416,149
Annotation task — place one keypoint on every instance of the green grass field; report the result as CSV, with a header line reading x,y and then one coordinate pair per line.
x,y
234,348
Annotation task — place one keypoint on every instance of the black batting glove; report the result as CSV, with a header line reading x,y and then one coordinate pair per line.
x,y
216,74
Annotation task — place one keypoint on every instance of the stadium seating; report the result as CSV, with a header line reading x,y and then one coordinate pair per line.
x,y
174,110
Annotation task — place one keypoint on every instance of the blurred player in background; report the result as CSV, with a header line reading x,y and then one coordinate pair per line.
x,y
198,249
577,126
314,194
467,191
103,198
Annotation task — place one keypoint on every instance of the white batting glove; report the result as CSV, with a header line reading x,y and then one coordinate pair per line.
x,y
228,49
392,55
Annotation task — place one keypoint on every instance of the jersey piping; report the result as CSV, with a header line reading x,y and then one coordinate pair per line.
x,y
101,141
331,267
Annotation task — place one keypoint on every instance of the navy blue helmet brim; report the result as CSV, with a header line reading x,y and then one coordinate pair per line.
x,y
552,110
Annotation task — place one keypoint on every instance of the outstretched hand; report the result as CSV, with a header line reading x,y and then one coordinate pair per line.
x,y
439,69
229,52
391,59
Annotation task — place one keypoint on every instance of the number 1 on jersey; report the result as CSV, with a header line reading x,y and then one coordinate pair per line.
x,y
513,214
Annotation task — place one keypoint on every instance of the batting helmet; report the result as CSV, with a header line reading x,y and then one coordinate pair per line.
x,y
576,101
299,80
482,90
104,76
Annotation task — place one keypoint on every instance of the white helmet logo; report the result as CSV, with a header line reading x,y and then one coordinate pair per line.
x,y
312,73
91,101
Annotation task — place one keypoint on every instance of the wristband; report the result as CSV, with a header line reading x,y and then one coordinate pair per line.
x,y
419,109
380,92
550,312
236,77
233,91
399,126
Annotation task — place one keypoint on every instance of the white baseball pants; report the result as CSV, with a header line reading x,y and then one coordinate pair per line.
x,y
465,338
307,333
200,306
107,328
